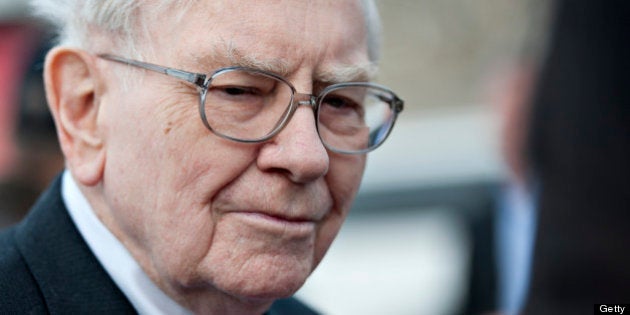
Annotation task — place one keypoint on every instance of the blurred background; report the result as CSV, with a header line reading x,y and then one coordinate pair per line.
x,y
419,239
29,152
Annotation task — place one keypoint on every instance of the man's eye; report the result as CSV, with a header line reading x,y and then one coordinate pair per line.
x,y
340,102
239,90
335,102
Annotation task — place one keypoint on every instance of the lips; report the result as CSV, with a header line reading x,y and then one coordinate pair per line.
x,y
294,211
280,224
281,218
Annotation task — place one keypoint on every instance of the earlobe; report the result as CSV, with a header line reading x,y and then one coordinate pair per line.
x,y
73,89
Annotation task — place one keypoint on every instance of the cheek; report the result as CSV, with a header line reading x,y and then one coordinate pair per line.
x,y
163,168
153,147
343,179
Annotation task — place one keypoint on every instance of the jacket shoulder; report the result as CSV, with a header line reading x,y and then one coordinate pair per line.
x,y
290,306
49,258
19,292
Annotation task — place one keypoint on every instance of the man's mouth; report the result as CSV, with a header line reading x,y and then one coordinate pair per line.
x,y
294,226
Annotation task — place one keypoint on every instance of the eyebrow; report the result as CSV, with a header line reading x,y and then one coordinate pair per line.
x,y
230,56
226,55
341,73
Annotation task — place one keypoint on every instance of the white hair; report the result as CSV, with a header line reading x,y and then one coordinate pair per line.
x,y
76,21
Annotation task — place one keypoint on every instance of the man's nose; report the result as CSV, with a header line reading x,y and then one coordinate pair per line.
x,y
297,150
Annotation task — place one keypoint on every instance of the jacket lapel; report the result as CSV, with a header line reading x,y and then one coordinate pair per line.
x,y
69,276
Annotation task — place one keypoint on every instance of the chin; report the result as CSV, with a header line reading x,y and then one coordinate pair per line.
x,y
271,281
269,292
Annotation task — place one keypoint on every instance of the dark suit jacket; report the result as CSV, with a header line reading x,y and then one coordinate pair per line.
x,y
46,267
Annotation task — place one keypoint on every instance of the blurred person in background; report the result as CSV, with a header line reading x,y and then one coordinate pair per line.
x,y
194,193
579,147
29,153
505,228
514,223
16,45
565,137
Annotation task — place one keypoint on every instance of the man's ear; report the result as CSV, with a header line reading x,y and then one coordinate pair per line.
x,y
73,93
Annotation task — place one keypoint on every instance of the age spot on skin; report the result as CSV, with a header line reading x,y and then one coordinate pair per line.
x,y
168,128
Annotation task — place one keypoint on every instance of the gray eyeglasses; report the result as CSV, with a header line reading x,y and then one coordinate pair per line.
x,y
249,105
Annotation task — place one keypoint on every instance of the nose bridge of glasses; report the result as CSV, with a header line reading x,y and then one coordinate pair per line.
x,y
305,99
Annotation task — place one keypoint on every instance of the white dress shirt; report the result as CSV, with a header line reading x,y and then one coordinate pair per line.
x,y
516,230
143,294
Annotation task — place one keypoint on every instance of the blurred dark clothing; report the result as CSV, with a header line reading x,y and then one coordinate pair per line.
x,y
579,146
15,199
482,288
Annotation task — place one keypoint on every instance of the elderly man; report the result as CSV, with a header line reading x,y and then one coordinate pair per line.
x,y
213,150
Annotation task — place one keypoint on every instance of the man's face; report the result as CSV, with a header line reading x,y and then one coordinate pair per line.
x,y
201,213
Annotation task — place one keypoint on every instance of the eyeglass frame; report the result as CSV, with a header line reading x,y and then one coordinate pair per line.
x,y
203,81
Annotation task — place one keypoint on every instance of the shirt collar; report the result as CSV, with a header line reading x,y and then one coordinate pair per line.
x,y
143,294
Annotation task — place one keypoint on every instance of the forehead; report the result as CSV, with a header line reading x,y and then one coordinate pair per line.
x,y
283,35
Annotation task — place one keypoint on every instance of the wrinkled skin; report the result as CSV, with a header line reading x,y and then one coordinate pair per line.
x,y
222,227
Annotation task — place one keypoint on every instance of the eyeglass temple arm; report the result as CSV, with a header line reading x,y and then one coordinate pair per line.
x,y
396,103
194,78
